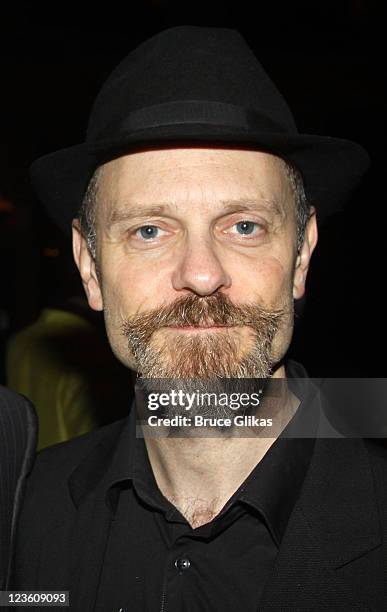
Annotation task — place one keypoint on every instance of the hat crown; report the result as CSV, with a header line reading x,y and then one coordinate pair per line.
x,y
188,63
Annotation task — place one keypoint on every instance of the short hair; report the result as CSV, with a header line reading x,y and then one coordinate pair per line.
x,y
302,204
87,211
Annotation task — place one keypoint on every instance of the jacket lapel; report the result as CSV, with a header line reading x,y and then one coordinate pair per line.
x,y
334,523
88,547
90,532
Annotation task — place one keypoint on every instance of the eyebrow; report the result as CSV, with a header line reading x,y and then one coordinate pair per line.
x,y
229,206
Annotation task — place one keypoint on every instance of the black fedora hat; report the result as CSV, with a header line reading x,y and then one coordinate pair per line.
x,y
191,84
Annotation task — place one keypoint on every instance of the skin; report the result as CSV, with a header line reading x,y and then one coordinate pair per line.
x,y
199,249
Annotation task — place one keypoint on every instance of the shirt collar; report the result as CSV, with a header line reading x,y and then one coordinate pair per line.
x,y
275,483
273,486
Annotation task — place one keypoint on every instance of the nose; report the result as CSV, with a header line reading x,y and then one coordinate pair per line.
x,y
200,270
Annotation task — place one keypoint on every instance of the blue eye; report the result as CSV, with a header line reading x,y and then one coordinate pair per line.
x,y
148,231
246,227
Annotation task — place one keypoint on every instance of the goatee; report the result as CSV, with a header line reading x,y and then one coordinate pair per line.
x,y
203,355
204,362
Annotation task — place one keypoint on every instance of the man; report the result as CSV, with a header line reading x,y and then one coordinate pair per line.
x,y
194,236
18,438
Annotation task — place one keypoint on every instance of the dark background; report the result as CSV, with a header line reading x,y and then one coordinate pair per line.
x,y
325,57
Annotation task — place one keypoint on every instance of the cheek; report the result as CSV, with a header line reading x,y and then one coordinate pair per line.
x,y
266,279
129,287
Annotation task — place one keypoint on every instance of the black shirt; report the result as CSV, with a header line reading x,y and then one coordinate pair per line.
x,y
154,559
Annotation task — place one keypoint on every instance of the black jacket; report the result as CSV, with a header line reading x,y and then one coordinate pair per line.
x,y
18,439
333,555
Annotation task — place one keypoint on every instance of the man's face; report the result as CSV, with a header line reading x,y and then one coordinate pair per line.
x,y
197,261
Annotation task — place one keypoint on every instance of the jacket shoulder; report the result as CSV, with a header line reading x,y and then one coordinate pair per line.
x,y
61,459
47,487
48,511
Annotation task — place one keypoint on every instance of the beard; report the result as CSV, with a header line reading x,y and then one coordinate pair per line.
x,y
202,361
203,355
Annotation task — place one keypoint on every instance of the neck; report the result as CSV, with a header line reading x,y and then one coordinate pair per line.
x,y
196,474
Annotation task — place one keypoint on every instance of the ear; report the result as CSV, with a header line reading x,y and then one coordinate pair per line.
x,y
87,268
304,255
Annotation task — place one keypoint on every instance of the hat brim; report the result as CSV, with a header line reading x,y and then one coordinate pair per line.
x,y
331,167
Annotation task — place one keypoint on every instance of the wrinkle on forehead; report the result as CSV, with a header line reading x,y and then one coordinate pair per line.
x,y
199,176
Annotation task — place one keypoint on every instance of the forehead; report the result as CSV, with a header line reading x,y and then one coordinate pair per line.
x,y
205,177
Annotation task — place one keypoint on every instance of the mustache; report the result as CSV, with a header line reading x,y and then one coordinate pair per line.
x,y
195,310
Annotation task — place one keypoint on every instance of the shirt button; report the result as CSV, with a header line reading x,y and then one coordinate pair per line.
x,y
182,564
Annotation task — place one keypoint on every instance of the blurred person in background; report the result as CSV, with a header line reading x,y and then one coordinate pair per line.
x,y
62,361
